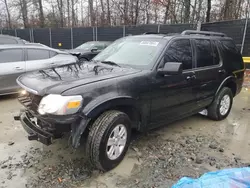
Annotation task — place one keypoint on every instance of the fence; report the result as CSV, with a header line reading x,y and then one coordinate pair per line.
x,y
73,37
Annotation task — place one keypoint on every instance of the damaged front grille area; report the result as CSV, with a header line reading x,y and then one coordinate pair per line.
x,y
30,101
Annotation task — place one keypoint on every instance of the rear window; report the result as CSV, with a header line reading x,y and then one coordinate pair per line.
x,y
231,55
11,55
38,54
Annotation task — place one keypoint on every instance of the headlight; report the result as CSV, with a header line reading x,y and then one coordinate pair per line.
x,y
60,105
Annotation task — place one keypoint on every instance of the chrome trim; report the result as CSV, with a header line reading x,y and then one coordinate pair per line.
x,y
26,88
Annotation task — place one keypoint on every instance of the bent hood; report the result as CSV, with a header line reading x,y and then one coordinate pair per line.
x,y
60,79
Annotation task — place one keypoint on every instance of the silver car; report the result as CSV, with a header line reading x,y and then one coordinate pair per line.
x,y
18,59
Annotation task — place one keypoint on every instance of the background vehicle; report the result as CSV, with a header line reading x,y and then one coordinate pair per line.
x,y
6,39
89,50
18,59
139,82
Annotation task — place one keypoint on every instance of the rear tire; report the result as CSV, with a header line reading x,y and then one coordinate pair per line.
x,y
222,104
108,140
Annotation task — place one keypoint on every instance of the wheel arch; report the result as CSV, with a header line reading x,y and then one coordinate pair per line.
x,y
229,82
124,104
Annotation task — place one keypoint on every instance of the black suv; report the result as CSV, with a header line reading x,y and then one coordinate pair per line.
x,y
138,82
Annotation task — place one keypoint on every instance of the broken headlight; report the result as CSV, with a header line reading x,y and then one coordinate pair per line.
x,y
60,105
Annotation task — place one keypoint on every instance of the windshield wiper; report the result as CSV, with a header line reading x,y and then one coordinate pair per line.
x,y
110,63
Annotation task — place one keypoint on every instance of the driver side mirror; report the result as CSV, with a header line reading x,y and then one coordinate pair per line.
x,y
94,49
171,68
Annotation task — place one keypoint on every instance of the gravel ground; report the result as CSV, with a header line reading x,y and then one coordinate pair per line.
x,y
159,158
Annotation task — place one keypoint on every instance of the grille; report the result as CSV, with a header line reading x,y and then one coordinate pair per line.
x,y
30,101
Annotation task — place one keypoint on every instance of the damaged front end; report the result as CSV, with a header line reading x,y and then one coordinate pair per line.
x,y
48,127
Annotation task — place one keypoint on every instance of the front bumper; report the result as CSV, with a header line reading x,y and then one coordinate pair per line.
x,y
47,131
35,132
44,129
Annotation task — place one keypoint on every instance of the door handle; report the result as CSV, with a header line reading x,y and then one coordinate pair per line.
x,y
19,68
193,77
222,71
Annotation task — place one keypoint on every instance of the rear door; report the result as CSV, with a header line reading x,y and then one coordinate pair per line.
x,y
12,65
209,71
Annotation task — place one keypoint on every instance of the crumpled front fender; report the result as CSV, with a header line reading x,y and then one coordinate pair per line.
x,y
77,129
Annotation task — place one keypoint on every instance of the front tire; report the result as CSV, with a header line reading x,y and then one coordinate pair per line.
x,y
108,140
222,104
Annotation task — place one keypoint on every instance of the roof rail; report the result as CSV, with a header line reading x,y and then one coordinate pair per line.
x,y
206,33
150,33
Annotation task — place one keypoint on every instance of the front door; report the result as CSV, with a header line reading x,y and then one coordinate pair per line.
x,y
172,95
12,65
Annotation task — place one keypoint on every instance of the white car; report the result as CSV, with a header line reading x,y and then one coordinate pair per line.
x,y
18,59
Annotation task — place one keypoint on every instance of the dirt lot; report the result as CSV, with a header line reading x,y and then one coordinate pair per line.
x,y
157,159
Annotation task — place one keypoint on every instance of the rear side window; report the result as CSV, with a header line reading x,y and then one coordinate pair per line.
x,y
38,54
180,51
231,55
52,54
7,41
11,55
204,53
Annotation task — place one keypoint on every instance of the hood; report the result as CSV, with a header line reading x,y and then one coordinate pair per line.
x,y
60,79
78,51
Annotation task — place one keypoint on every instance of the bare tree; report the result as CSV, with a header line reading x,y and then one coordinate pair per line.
x,y
24,12
68,12
103,13
228,9
91,12
108,12
41,15
187,11
8,13
73,13
60,9
194,11
208,10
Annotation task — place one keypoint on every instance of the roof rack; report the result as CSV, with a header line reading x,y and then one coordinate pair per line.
x,y
206,33
150,33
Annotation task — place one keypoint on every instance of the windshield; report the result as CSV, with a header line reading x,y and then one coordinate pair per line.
x,y
90,46
134,52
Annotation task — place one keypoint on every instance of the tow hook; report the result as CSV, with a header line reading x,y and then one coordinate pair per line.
x,y
17,118
33,137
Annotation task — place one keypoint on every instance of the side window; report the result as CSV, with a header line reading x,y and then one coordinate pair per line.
x,y
204,53
11,55
7,41
37,54
231,55
216,55
180,51
52,54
